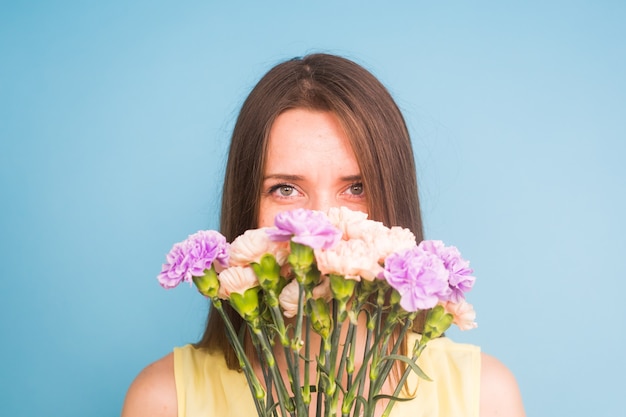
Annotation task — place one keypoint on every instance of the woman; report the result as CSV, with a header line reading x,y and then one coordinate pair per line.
x,y
317,132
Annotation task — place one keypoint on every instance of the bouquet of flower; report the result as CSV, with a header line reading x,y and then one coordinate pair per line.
x,y
326,292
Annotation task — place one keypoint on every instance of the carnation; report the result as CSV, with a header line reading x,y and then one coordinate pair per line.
x,y
288,298
420,278
350,223
307,227
236,279
353,259
191,257
389,240
460,279
253,244
463,314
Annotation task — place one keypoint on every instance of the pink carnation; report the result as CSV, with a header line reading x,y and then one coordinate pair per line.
x,y
463,313
236,279
253,244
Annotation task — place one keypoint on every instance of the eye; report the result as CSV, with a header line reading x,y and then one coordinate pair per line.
x,y
355,189
283,190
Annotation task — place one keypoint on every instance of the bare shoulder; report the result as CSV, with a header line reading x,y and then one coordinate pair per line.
x,y
499,392
153,392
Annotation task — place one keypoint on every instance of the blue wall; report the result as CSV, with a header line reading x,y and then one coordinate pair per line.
x,y
114,124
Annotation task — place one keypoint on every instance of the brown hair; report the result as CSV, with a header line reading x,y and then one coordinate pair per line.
x,y
372,122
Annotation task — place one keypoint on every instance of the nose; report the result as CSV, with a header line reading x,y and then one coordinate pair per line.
x,y
321,201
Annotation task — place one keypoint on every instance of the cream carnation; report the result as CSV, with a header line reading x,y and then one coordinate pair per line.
x,y
389,240
354,259
322,290
288,298
253,244
356,225
351,223
236,279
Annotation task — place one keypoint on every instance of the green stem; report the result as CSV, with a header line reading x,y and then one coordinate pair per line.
x,y
351,394
307,362
389,364
291,355
286,344
253,381
332,396
405,375
295,347
326,381
281,390
347,355
344,353
269,399
325,352
361,382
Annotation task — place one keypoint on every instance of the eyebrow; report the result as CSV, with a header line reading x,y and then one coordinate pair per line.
x,y
289,177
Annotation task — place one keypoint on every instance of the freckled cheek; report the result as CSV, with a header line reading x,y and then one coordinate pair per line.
x,y
266,216
361,206
263,220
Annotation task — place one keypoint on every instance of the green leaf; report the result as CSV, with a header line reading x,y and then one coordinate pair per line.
x,y
409,362
390,397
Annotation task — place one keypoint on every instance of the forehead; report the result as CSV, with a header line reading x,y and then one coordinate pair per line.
x,y
300,136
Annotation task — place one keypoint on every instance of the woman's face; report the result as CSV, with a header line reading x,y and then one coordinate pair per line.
x,y
309,164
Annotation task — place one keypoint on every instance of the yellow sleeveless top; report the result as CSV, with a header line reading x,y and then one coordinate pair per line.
x,y
205,386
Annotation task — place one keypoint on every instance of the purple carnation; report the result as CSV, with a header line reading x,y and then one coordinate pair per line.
x,y
419,276
191,257
460,279
307,227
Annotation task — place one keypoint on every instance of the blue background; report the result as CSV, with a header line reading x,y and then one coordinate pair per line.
x,y
114,125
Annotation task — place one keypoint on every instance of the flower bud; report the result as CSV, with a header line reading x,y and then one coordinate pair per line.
x,y
301,258
341,287
268,272
437,322
394,298
247,304
207,284
320,317
311,278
